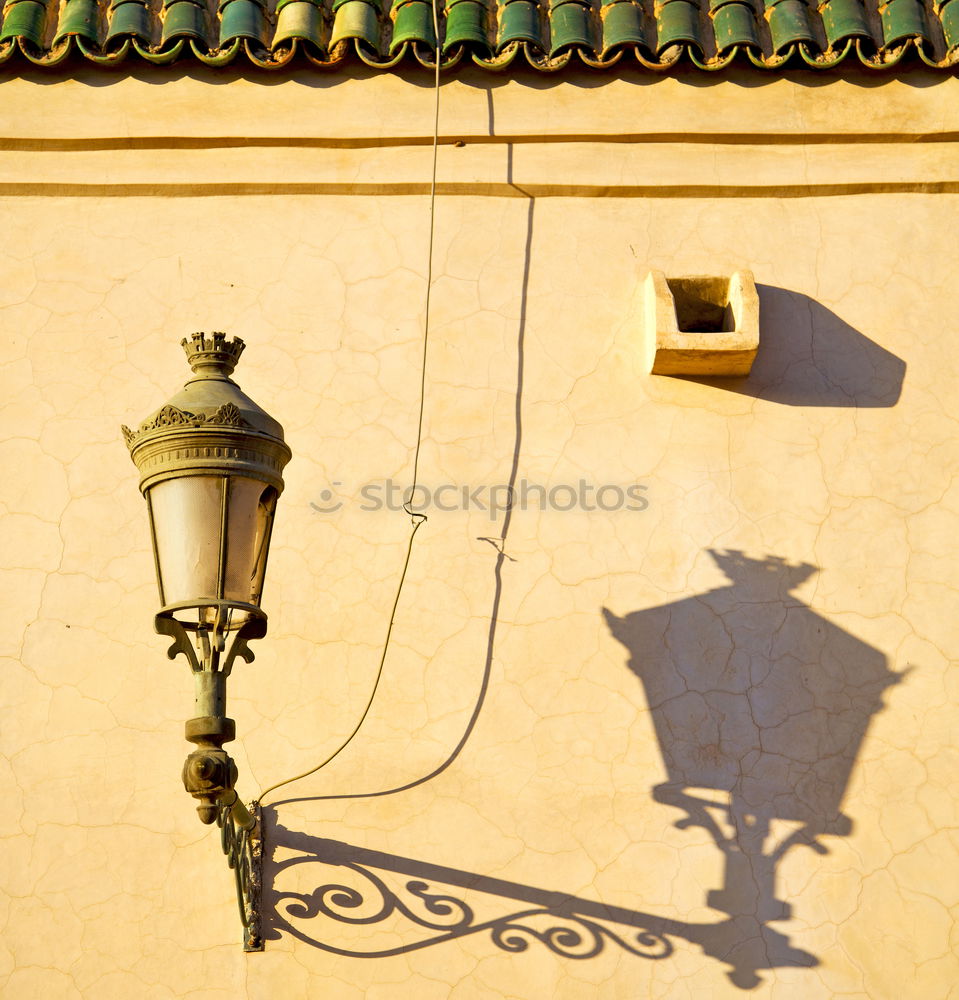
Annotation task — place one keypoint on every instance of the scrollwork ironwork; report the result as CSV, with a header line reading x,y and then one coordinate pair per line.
x,y
441,905
559,928
243,849
254,627
169,626
578,938
415,914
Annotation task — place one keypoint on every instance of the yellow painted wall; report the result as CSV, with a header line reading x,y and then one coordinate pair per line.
x,y
571,694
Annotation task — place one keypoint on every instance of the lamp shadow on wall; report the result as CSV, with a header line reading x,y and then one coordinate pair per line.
x,y
809,356
760,707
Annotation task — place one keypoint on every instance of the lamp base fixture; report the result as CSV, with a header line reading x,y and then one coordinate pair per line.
x,y
209,773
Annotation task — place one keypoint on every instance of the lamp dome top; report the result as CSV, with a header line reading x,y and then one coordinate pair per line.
x,y
210,427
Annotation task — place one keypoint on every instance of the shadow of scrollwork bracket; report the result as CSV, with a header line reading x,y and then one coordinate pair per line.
x,y
365,893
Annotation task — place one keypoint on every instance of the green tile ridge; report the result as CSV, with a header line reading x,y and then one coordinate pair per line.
x,y
547,35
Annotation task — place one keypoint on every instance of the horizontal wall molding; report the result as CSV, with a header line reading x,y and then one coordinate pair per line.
x,y
481,190
667,169
55,144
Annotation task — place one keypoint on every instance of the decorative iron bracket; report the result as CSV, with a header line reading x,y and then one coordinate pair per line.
x,y
242,843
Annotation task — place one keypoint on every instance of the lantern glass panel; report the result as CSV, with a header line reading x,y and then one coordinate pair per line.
x,y
190,514
187,516
249,519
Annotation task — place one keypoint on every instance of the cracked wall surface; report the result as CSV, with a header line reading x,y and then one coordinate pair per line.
x,y
701,748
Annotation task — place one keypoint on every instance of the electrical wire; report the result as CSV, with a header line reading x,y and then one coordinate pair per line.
x,y
417,518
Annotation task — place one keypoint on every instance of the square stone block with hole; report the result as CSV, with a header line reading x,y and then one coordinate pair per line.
x,y
702,324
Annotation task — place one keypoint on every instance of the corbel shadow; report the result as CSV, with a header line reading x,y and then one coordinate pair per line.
x,y
809,356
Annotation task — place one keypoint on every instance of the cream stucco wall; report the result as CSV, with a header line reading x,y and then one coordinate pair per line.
x,y
565,689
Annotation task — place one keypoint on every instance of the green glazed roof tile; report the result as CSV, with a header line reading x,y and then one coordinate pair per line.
x,y
24,19
843,19
788,23
520,21
734,24
413,22
129,19
301,19
356,19
569,25
678,21
949,14
466,23
78,17
545,34
241,19
184,19
902,19
377,5
622,25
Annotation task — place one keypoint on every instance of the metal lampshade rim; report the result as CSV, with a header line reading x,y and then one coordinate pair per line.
x,y
181,452
252,610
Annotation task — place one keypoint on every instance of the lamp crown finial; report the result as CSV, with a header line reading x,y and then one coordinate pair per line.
x,y
771,571
212,353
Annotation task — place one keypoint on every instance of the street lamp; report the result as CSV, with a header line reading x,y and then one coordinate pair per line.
x,y
211,463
